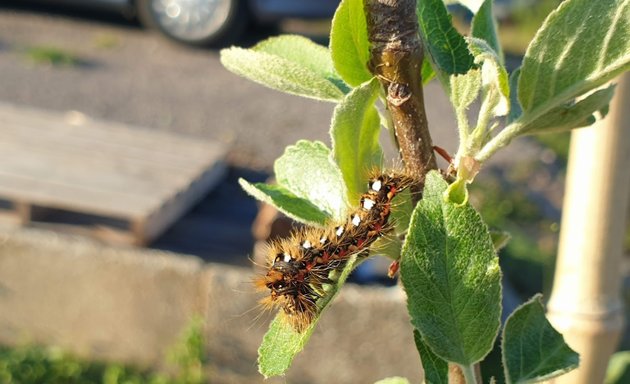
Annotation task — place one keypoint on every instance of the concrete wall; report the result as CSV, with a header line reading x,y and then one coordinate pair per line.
x,y
131,305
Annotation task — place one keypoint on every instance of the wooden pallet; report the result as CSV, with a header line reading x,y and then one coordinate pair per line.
x,y
114,182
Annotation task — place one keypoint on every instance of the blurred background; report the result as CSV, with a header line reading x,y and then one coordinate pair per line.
x,y
127,100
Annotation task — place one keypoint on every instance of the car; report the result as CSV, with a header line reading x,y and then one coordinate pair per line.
x,y
213,22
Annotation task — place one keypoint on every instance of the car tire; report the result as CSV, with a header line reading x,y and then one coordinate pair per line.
x,y
215,22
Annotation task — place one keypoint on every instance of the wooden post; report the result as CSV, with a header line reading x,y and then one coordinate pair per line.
x,y
585,304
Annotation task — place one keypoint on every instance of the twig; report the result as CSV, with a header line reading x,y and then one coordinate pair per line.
x,y
396,59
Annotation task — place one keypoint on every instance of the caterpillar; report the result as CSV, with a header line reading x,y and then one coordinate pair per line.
x,y
300,266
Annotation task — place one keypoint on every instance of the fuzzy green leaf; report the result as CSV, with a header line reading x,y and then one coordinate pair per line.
x,y
435,369
484,27
452,277
285,201
495,81
515,107
299,50
393,380
567,117
532,350
282,343
447,47
349,43
465,89
290,64
355,132
581,45
308,171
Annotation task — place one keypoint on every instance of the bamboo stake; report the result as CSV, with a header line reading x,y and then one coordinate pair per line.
x,y
585,304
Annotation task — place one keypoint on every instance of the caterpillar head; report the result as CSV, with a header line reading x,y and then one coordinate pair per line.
x,y
283,276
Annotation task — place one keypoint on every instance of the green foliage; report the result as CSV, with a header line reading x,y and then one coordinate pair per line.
x,y
435,368
451,275
310,185
549,76
532,349
188,354
618,368
446,46
573,115
297,208
291,64
40,365
593,34
51,55
449,266
356,126
484,27
349,44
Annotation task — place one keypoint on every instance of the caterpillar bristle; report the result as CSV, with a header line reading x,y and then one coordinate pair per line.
x,y
300,266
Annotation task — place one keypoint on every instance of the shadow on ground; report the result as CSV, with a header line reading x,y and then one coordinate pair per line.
x,y
218,229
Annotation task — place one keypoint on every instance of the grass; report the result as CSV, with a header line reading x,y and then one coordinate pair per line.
x,y
106,41
51,55
33,364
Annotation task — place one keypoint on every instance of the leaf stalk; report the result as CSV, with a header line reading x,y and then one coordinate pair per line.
x,y
469,373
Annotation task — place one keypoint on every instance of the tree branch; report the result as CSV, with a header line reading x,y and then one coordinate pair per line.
x,y
396,56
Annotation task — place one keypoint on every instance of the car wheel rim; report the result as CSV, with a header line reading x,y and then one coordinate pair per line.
x,y
191,19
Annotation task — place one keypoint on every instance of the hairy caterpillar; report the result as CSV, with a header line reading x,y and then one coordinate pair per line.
x,y
301,266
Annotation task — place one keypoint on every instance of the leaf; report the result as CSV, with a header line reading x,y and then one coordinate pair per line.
x,y
494,77
284,63
446,46
393,380
282,343
499,239
581,45
349,43
355,132
308,171
427,71
532,350
435,369
299,50
618,371
285,201
450,272
567,117
465,89
279,347
484,27
515,107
